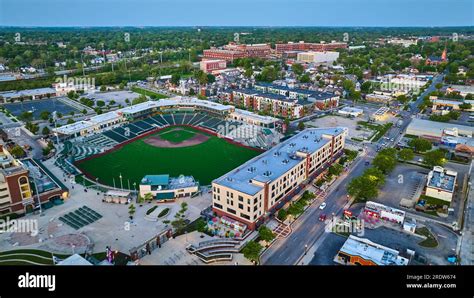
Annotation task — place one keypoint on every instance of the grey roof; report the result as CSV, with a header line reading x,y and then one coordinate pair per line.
x,y
433,128
273,163
28,92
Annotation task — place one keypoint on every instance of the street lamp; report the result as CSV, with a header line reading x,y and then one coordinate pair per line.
x,y
305,249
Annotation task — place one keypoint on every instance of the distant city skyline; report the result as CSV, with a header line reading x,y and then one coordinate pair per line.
x,y
335,13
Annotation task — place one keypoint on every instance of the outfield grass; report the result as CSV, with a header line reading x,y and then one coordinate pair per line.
x,y
205,161
177,136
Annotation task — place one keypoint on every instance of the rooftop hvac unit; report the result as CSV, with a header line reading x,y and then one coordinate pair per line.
x,y
267,173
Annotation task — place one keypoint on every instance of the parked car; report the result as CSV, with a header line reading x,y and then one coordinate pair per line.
x,y
322,217
322,206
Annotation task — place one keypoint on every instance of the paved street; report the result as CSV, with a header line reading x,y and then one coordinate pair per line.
x,y
307,229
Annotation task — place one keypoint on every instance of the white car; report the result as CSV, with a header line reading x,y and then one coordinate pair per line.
x,y
322,206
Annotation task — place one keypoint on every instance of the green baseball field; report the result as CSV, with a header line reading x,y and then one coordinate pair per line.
x,y
173,151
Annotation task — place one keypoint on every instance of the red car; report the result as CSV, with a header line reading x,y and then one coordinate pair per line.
x,y
322,217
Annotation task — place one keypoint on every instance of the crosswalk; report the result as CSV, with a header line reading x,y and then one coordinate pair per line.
x,y
282,230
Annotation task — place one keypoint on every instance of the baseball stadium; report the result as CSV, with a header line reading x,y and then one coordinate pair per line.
x,y
178,136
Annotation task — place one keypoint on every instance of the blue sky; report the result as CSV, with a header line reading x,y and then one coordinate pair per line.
x,y
236,12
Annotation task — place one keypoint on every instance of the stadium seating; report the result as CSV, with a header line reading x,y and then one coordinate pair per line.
x,y
168,118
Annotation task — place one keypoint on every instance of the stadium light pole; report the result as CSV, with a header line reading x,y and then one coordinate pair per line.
x,y
121,183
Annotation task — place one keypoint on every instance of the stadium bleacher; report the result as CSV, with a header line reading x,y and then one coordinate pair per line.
x,y
98,142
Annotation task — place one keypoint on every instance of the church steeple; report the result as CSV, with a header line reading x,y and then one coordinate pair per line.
x,y
444,55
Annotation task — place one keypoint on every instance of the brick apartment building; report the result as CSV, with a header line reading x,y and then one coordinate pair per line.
x,y
303,46
261,186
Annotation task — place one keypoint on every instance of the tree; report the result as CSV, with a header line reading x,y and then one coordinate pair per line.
x,y
178,224
70,121
366,87
148,197
305,78
363,188
44,115
26,116
17,151
252,251
45,131
175,79
438,86
301,125
103,88
32,127
282,214
140,99
375,175
384,162
131,210
297,68
335,169
402,99
248,72
201,225
465,106
266,234
406,154
100,103
420,145
435,158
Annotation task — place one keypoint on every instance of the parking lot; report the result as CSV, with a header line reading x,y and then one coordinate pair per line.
x,y
118,96
404,182
341,121
38,106
398,240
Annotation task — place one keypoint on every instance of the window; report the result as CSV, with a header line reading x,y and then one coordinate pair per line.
x,y
241,199
241,206
218,205
244,216
231,210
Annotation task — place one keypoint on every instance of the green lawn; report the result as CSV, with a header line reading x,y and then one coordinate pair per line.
x,y
206,161
177,135
430,240
152,94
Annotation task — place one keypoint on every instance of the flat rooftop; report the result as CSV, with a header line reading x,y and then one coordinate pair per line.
x,y
442,179
434,128
260,118
28,92
273,163
381,207
155,180
368,250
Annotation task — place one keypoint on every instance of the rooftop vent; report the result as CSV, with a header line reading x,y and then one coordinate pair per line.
x,y
305,137
285,161
277,153
267,173
252,169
